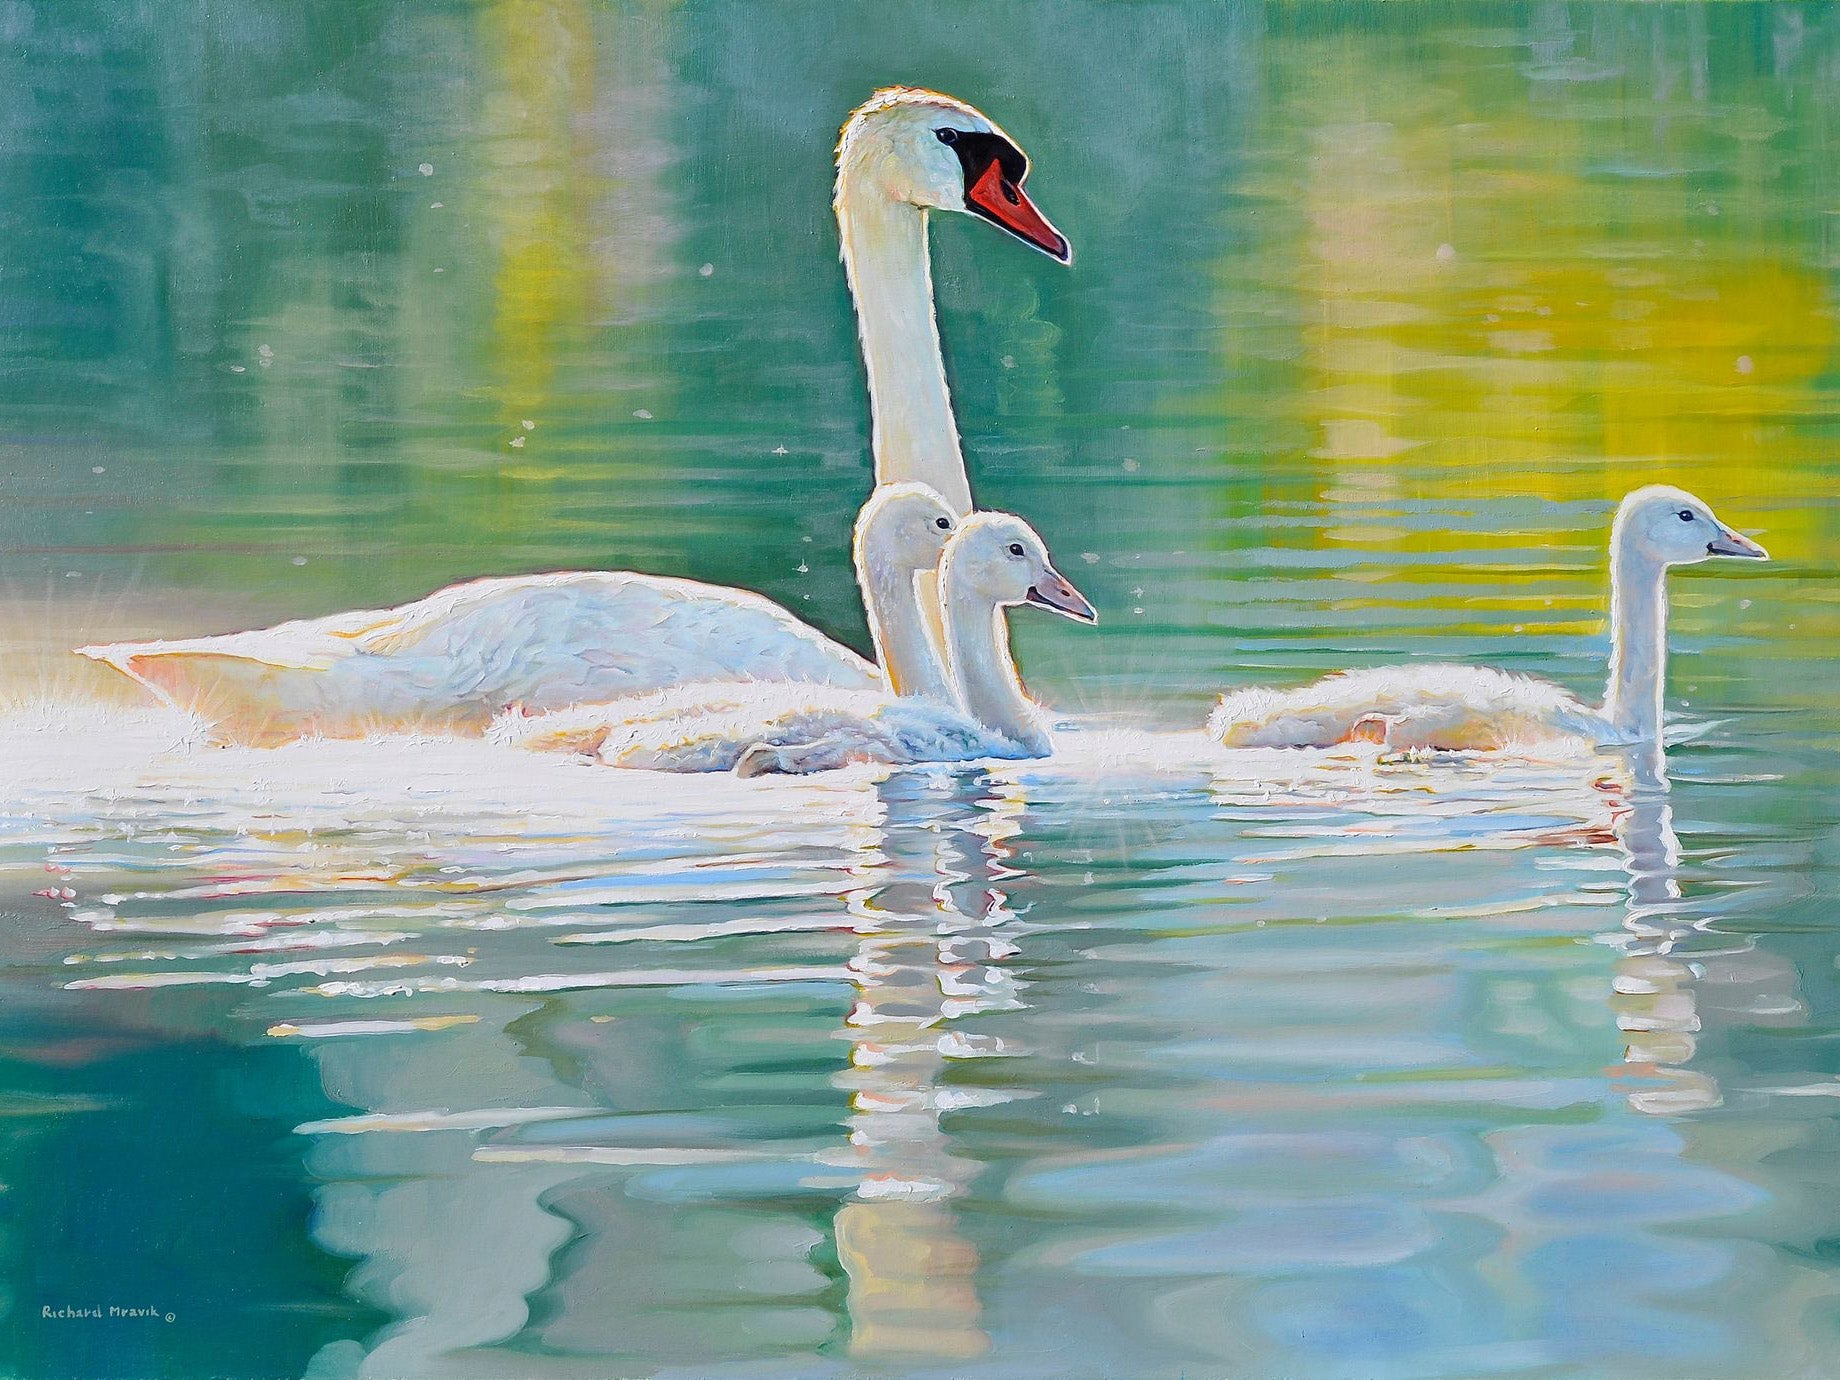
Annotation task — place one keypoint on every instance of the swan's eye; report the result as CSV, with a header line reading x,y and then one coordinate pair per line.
x,y
946,136
943,524
1685,515
1015,548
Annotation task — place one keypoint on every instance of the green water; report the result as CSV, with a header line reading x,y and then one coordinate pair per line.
x,y
1143,1061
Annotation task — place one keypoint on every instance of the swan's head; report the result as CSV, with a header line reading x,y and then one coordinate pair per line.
x,y
1000,558
1672,527
903,529
932,151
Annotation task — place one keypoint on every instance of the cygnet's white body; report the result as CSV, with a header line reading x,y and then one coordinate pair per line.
x,y
1460,708
779,728
1468,708
992,563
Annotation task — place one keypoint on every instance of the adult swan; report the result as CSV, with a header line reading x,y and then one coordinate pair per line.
x,y
903,153
1479,709
460,655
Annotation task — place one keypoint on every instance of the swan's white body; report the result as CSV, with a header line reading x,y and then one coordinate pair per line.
x,y
1467,708
457,657
993,562
461,655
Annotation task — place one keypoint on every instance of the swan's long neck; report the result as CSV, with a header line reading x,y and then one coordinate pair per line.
x,y
910,662
914,436
1638,643
983,672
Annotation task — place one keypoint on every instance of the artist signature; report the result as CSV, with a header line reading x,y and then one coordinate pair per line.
x,y
104,1312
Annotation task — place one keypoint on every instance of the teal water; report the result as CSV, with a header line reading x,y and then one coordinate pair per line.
x,y
1147,1060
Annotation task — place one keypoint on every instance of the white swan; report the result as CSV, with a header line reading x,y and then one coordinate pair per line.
x,y
1478,709
453,659
458,657
992,563
905,152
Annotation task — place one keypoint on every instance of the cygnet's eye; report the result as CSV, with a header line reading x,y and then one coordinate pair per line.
x,y
1015,548
946,136
1685,515
944,524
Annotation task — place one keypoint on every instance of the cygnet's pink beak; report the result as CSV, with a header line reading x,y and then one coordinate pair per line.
x,y
1054,591
1730,543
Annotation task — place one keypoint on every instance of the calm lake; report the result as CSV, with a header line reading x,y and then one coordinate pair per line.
x,y
1149,1059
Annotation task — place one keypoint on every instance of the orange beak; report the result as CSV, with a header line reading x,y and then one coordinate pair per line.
x,y
1002,201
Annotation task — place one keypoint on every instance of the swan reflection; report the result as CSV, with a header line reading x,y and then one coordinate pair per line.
x,y
571,1182
934,951
616,1085
1652,991
1674,973
1670,958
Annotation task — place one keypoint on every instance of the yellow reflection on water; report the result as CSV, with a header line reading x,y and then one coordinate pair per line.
x,y
541,54
1496,297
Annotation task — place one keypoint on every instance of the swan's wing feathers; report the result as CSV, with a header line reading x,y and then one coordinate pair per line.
x,y
751,633
558,640
307,674
463,653
302,644
267,685
450,612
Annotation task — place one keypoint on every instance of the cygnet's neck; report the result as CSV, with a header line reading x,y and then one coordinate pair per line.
x,y
914,436
1638,641
910,662
983,672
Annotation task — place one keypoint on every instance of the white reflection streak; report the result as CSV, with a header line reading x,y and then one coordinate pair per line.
x,y
930,956
1653,991
1661,994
